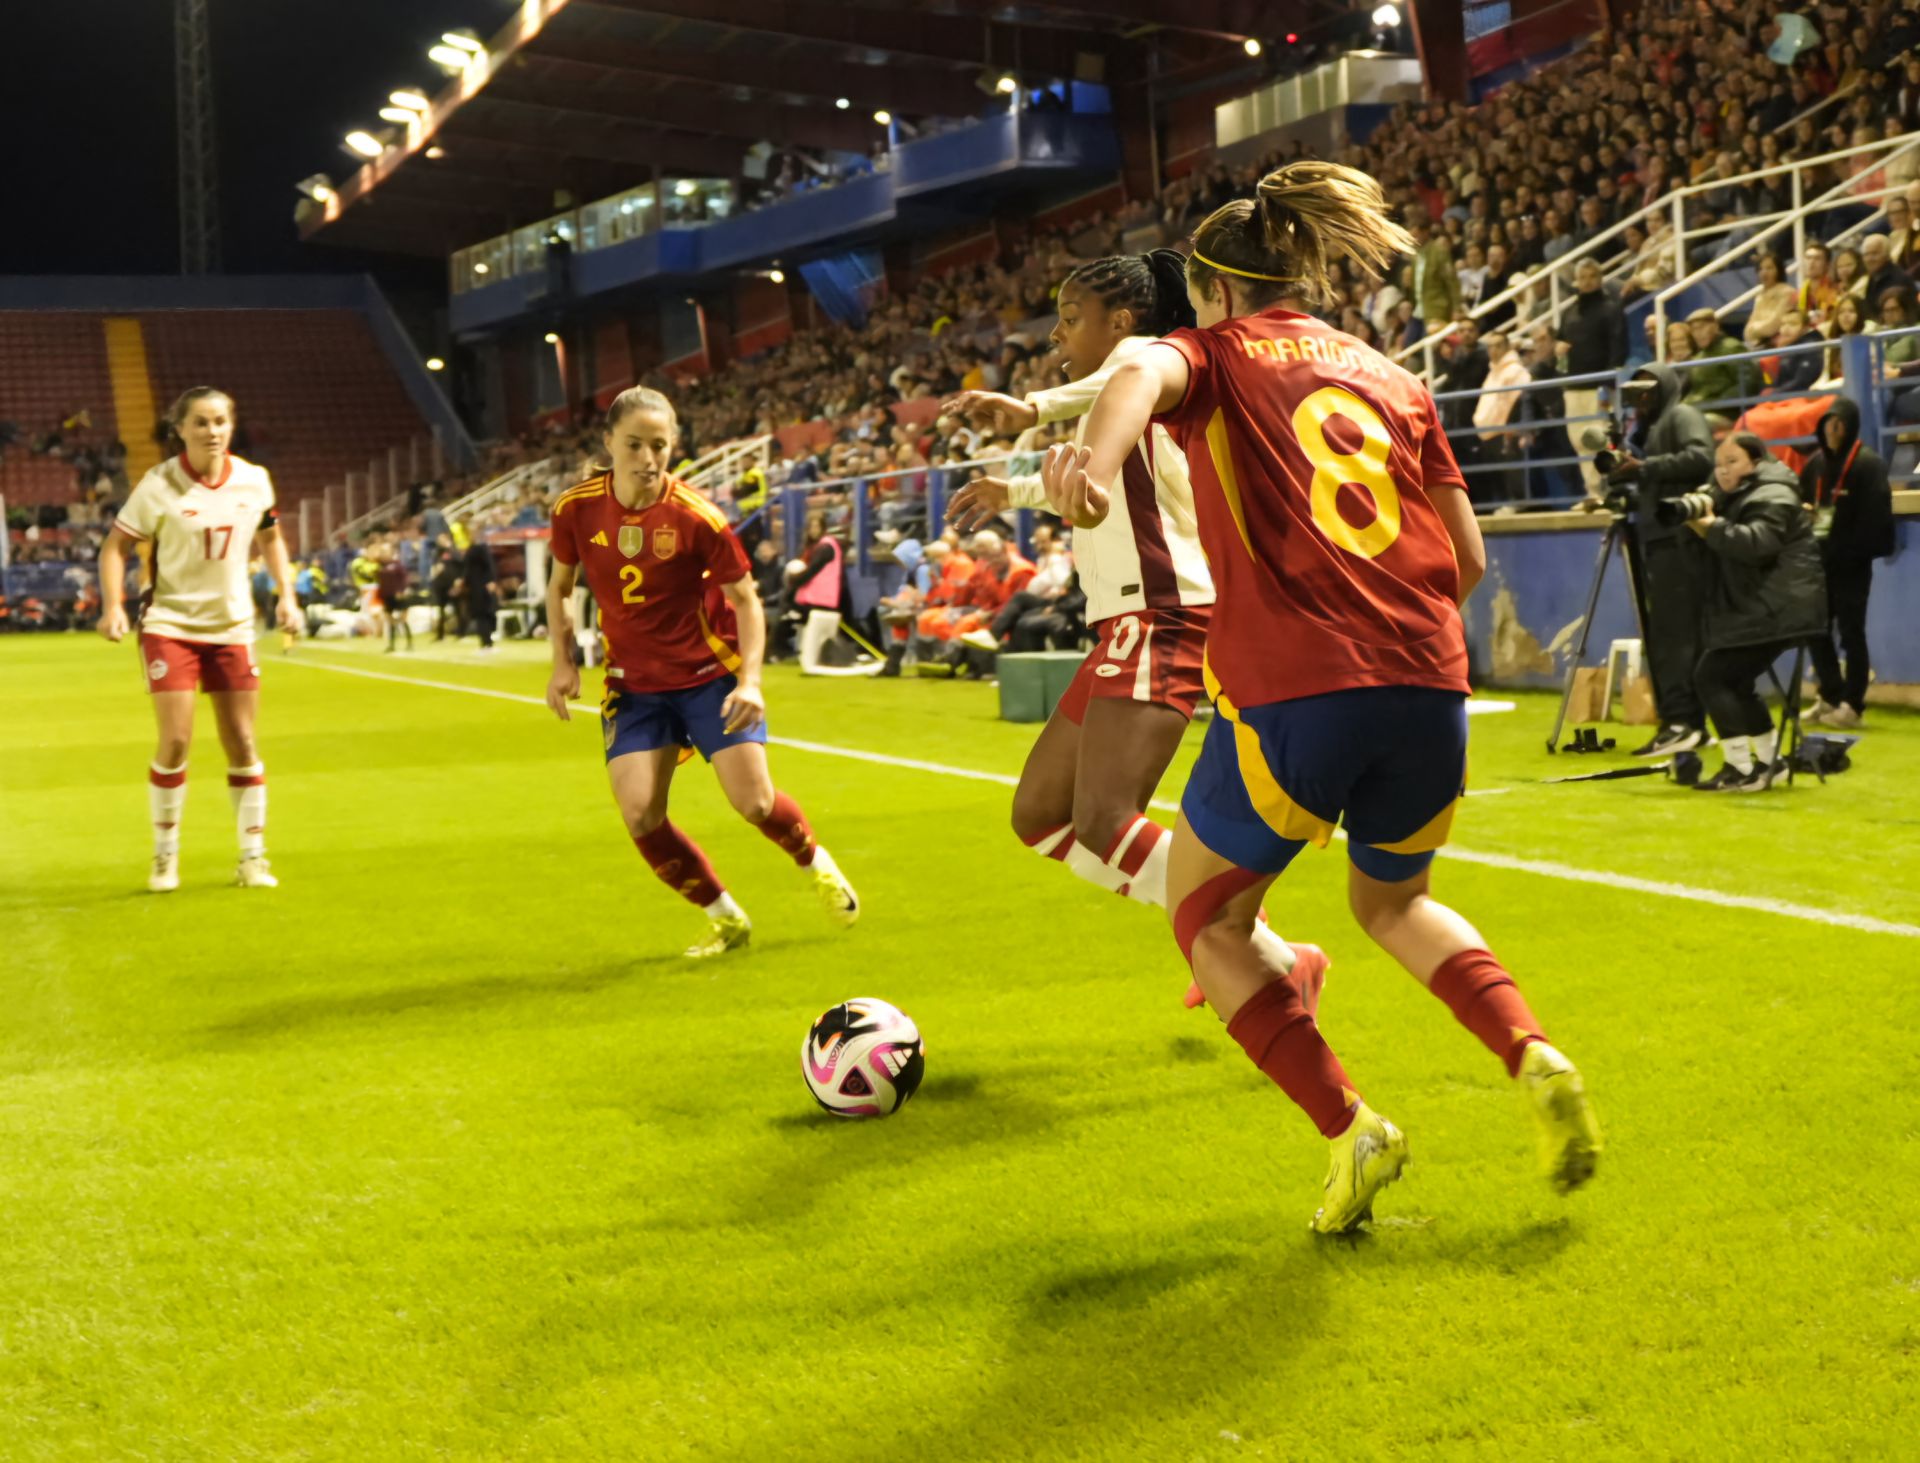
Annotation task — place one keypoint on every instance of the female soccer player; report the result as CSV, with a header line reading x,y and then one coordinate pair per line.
x,y
1341,540
685,634
199,514
1084,791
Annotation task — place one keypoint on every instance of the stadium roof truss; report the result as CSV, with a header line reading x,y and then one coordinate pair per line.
x,y
575,100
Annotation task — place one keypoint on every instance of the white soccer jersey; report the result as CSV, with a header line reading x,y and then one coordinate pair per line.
x,y
201,537
1145,554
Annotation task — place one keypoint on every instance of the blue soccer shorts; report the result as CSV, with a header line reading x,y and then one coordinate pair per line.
x,y
1388,762
644,721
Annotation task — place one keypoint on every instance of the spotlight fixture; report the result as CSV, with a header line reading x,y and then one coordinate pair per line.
x,y
842,103
1387,15
450,58
551,338
364,143
1251,46
1007,84
686,188
883,117
778,276
434,363
463,40
413,101
397,114
436,152
319,187
483,268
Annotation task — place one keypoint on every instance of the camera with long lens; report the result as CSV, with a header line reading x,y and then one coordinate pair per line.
x,y
1687,508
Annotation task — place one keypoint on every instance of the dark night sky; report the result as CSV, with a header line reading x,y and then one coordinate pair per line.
x,y
90,179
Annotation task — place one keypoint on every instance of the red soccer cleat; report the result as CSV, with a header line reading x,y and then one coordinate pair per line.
x,y
1310,967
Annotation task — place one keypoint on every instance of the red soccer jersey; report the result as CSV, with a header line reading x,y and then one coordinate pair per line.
x,y
656,574
1311,457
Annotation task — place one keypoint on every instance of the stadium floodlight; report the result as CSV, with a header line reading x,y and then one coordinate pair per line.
x,y
319,187
1251,46
463,40
413,101
483,268
883,117
434,363
551,338
364,143
436,152
842,103
686,188
1387,15
397,114
778,276
450,58
1007,84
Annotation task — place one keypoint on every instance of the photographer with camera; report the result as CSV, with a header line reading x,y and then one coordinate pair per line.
x,y
1668,451
1768,595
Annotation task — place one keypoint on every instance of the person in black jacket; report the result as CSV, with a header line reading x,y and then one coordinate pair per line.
x,y
1669,451
1594,331
481,591
1844,486
1768,594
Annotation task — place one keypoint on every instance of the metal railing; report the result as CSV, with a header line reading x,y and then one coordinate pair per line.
x,y
1671,209
1846,193
1890,414
379,493
726,464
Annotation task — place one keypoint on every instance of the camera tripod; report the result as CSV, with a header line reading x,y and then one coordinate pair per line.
x,y
1616,533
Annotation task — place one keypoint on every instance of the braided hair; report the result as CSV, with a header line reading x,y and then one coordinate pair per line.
x,y
1153,286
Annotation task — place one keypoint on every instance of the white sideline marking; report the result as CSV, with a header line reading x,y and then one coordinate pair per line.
x,y
1544,868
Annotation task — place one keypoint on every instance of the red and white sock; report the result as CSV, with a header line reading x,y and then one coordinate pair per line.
x,y
166,798
1139,858
247,790
1061,846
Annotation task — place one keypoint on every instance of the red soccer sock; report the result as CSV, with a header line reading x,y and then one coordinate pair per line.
x,y
1053,843
680,864
1484,999
1277,1032
787,826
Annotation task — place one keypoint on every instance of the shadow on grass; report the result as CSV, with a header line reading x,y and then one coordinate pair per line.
x,y
286,1018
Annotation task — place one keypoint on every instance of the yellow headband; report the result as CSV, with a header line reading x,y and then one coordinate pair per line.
x,y
1244,273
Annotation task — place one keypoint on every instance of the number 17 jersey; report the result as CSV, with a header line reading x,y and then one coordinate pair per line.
x,y
1311,457
656,574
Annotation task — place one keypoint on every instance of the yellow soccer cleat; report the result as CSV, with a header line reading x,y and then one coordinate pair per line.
x,y
1570,1141
1366,1158
728,932
832,887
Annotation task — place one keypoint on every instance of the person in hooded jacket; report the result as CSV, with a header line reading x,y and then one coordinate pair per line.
x,y
1768,594
1668,451
1844,486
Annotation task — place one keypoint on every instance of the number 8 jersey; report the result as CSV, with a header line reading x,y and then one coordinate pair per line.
x,y
1311,457
199,536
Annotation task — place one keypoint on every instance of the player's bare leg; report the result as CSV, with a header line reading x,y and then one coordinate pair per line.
x,y
1215,907
1043,798
748,783
641,782
167,785
1447,955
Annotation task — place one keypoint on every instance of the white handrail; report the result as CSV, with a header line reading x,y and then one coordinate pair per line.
x,y
1723,261
486,495
726,463
1673,202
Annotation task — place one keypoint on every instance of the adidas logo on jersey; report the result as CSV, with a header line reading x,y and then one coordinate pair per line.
x,y
599,538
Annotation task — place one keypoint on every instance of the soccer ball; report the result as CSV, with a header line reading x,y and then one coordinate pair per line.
x,y
863,1059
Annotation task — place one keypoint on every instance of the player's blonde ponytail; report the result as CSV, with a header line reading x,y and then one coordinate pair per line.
x,y
1307,215
639,398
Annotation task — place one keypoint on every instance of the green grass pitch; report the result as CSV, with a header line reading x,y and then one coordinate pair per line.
x,y
440,1151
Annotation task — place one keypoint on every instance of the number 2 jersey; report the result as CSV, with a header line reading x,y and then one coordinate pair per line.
x,y
656,573
1311,457
199,536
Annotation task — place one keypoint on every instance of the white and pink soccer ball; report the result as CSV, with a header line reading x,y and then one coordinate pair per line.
x,y
863,1059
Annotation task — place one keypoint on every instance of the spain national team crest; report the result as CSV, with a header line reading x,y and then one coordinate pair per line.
x,y
633,538
665,541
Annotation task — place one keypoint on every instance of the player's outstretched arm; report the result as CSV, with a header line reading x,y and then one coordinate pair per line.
x,y
564,684
993,409
745,707
113,586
